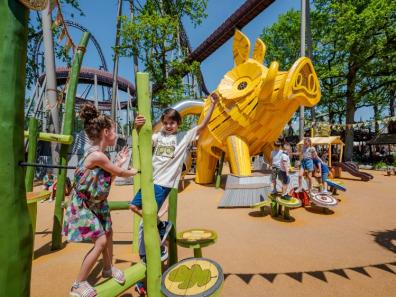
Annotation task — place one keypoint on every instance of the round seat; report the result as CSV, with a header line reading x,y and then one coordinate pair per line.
x,y
193,277
290,203
196,239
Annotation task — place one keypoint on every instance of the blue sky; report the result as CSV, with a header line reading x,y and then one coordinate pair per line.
x,y
100,19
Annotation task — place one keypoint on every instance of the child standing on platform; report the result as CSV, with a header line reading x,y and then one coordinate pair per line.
x,y
169,154
88,215
284,170
306,164
322,172
275,165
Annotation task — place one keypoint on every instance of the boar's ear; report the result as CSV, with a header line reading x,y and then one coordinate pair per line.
x,y
240,47
259,51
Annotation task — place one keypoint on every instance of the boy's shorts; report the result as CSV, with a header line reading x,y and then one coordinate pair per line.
x,y
274,173
284,178
307,164
160,194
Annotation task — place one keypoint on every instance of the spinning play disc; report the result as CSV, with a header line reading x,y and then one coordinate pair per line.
x,y
324,200
292,203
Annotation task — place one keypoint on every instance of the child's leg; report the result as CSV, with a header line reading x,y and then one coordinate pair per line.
x,y
300,176
91,257
108,251
309,178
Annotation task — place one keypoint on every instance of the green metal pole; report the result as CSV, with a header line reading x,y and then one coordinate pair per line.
x,y
136,187
151,237
220,169
172,217
32,152
15,225
67,130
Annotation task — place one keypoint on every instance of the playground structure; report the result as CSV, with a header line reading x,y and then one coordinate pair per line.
x,y
245,93
252,98
335,144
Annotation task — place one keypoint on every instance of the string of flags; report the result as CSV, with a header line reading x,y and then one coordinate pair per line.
x,y
358,125
60,22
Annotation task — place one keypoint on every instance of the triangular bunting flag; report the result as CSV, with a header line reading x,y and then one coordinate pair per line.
x,y
269,276
360,270
227,275
295,275
317,274
339,272
384,268
246,277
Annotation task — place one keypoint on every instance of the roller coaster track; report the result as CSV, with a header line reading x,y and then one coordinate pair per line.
x,y
81,28
240,18
87,75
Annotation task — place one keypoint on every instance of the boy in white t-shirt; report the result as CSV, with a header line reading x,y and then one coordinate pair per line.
x,y
284,170
169,154
275,165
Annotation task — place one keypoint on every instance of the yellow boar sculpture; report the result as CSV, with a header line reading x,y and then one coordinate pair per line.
x,y
255,104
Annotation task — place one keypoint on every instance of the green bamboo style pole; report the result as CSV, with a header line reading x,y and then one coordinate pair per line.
x,y
67,130
15,225
172,215
136,187
132,274
32,153
151,239
51,137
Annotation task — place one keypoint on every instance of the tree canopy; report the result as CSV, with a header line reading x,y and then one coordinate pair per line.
x,y
354,55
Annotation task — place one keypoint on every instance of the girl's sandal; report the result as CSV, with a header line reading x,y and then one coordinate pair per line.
x,y
115,273
82,289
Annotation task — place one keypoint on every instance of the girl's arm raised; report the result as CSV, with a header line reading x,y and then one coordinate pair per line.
x,y
99,159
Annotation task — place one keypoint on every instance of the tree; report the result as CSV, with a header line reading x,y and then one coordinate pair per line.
x,y
154,35
35,35
353,53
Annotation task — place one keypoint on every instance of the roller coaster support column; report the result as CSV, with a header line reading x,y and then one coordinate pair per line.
x,y
32,152
67,129
51,93
15,226
151,239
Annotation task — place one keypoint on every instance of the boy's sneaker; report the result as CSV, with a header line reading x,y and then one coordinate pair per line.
x,y
140,289
326,192
286,197
164,228
164,253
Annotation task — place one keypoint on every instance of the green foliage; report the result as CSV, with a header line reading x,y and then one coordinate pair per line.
x,y
354,54
379,165
154,37
35,36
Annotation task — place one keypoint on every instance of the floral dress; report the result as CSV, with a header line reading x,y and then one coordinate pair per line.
x,y
88,215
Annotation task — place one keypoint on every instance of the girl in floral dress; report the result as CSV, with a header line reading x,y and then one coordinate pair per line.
x,y
87,217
